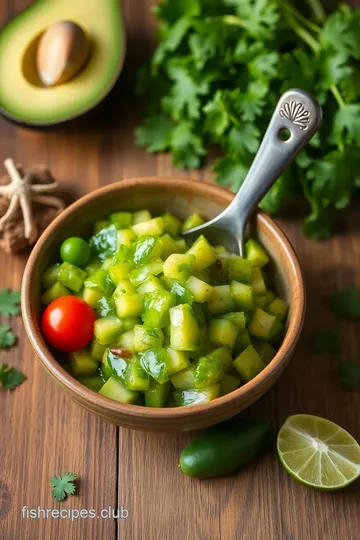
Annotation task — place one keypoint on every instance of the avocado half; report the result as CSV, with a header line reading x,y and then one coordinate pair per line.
x,y
22,97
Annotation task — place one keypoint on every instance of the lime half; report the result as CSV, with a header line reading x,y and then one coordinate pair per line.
x,y
318,453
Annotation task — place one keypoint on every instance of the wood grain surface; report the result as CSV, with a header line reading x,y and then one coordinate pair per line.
x,y
43,433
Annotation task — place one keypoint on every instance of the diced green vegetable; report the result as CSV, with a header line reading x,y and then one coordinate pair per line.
x,y
92,297
181,245
150,285
122,220
135,376
100,225
242,342
100,281
195,220
200,290
237,318
182,295
193,396
50,276
55,291
157,394
257,281
221,300
239,270
168,246
185,379
223,333
105,306
155,363
229,383
209,370
140,216
141,274
178,266
222,354
147,338
243,295
124,238
278,308
270,296
277,332
129,305
266,352
172,224
248,364
260,301
82,364
261,324
203,252
107,329
176,361
156,308
127,341
119,270
153,227
94,383
92,266
71,276
114,389
184,329
256,253
124,287
106,263
97,350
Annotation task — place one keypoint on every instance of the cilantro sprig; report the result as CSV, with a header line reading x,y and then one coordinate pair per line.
x,y
10,377
216,76
9,302
63,485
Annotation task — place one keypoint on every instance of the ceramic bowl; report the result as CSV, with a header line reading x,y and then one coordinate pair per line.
x,y
181,197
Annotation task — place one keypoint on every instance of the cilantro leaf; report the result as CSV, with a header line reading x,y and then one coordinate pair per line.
x,y
182,267
187,147
341,32
230,172
326,342
155,133
244,137
10,377
7,338
259,17
183,296
347,124
63,486
9,302
349,373
346,303
216,116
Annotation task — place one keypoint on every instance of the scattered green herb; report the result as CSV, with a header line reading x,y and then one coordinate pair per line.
x,y
63,486
215,78
9,302
10,378
7,338
326,342
349,373
182,267
346,303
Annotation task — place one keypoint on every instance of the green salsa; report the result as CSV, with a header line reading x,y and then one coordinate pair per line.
x,y
176,324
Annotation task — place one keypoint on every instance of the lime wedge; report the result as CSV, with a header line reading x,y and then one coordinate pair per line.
x,y
318,453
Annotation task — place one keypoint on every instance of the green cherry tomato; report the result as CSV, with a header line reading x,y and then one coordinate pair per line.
x,y
75,251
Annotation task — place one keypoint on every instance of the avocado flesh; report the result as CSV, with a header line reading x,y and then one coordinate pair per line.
x,y
22,98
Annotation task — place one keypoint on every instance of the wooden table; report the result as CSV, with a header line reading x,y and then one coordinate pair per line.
x,y
43,433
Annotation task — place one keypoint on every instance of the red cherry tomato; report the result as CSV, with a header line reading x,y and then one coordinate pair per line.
x,y
68,323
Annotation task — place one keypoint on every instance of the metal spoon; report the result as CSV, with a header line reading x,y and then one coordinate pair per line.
x,y
297,118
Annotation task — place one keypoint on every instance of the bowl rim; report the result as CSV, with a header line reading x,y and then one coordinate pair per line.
x,y
82,393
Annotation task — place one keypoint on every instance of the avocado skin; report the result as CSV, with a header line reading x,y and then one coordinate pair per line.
x,y
226,447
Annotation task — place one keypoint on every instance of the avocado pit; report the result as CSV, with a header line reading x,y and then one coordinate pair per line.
x,y
62,51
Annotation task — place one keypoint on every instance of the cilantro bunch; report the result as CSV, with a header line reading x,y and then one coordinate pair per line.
x,y
215,78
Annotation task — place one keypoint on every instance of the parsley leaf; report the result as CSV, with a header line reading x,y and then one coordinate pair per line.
x,y
326,342
10,377
9,302
349,373
63,486
7,338
346,303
